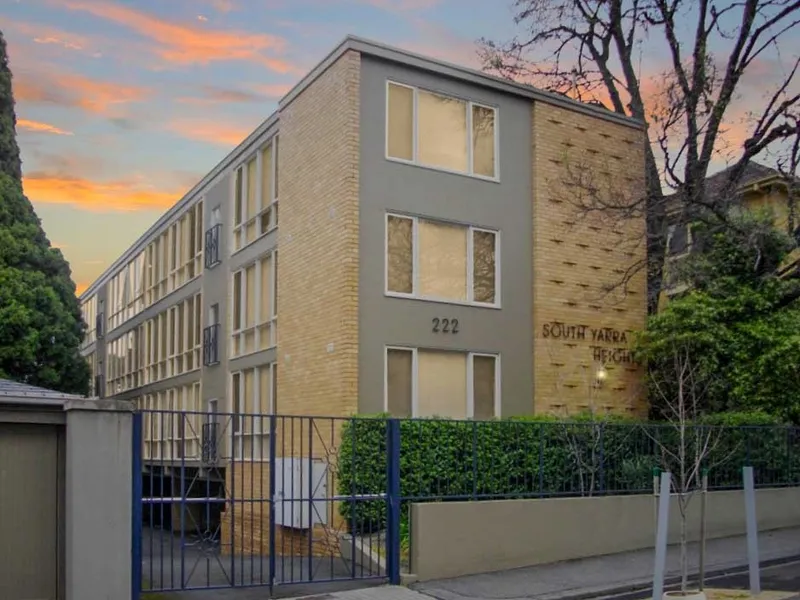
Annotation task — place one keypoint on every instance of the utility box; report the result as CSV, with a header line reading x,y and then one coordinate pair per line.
x,y
301,492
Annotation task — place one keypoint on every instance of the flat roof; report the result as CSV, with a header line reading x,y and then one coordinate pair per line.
x,y
13,392
378,50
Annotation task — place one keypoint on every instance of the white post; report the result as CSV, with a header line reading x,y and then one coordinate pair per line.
x,y
752,530
661,537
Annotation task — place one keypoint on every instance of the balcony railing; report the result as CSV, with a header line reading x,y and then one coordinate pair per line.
x,y
211,345
99,325
212,245
209,449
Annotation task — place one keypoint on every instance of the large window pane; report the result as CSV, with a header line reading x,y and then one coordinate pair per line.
x,y
237,300
483,159
237,198
442,131
483,386
442,260
401,122
398,382
483,267
266,176
250,302
442,384
400,255
251,188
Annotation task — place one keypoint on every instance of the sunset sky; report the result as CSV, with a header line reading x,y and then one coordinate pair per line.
x,y
122,106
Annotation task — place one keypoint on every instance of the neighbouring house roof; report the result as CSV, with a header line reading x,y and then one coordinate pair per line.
x,y
13,392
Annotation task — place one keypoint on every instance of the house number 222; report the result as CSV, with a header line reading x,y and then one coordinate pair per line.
x,y
445,325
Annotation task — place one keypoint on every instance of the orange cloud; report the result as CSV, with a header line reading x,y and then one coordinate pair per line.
x,y
190,44
77,91
42,34
40,127
208,131
52,188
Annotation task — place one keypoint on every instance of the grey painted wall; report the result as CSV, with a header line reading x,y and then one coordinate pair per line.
x,y
98,499
506,206
216,282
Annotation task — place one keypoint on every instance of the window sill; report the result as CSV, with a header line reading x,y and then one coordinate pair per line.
x,y
412,163
252,352
259,238
442,301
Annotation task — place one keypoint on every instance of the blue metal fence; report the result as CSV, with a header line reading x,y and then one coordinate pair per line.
x,y
228,500
241,500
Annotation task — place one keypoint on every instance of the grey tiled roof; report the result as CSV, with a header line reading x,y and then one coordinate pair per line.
x,y
21,392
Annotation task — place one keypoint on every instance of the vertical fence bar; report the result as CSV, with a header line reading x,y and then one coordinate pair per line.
x,y
393,501
182,503
232,467
136,512
272,451
602,482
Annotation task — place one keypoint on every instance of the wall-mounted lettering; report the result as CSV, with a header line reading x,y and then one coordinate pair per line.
x,y
618,353
444,325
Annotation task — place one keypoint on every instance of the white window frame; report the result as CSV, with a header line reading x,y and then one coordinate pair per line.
x,y
689,242
470,172
258,433
497,304
237,336
260,208
470,399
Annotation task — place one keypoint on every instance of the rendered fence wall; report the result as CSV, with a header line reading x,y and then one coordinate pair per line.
x,y
458,538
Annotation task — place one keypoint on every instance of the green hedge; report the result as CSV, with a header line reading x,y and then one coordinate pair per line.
x,y
443,460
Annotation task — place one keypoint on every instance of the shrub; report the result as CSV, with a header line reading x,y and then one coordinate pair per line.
x,y
541,456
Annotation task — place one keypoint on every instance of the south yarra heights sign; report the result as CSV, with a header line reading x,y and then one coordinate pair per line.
x,y
608,345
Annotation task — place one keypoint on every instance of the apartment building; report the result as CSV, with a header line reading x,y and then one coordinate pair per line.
x,y
761,189
398,236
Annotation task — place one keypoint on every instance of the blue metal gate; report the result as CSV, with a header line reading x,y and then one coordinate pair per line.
x,y
228,500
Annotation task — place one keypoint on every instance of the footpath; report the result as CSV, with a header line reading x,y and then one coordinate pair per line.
x,y
621,576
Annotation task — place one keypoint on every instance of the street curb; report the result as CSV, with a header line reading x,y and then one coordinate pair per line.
x,y
634,591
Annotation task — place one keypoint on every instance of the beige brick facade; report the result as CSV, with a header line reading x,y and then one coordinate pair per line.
x,y
579,328
318,258
317,298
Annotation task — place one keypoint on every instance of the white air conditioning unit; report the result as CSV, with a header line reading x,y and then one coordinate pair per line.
x,y
300,495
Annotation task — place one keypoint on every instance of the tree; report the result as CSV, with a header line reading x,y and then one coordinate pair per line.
x,y
741,334
40,319
685,447
590,50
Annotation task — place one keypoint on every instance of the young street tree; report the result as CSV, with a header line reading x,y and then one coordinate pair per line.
x,y
40,320
591,50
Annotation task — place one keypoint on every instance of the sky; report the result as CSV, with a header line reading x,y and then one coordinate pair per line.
x,y
123,105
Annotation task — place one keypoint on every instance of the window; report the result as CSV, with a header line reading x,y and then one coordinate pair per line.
x,y
174,257
255,196
679,240
254,311
177,433
439,131
434,260
170,343
437,383
89,312
253,393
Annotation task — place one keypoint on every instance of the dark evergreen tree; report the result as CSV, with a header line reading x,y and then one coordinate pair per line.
x,y
41,327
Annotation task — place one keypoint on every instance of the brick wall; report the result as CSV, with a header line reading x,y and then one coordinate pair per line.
x,y
318,245
317,351
577,254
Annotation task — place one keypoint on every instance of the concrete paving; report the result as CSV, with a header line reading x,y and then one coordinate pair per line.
x,y
616,577
611,575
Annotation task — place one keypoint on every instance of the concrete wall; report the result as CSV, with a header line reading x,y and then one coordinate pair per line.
x,y
507,534
98,500
504,205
